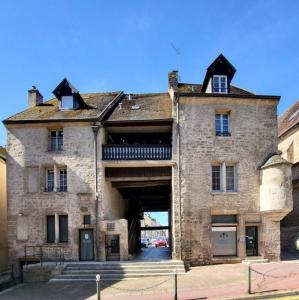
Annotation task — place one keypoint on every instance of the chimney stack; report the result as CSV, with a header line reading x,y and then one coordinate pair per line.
x,y
173,79
34,97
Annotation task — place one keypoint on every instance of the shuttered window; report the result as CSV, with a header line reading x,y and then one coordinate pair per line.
x,y
51,229
63,229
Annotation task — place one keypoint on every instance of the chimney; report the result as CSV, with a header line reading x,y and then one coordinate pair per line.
x,y
34,97
173,79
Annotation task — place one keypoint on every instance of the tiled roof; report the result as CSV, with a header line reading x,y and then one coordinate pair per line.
x,y
289,119
190,87
49,110
143,107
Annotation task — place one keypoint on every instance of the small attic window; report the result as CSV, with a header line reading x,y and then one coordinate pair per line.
x,y
67,102
220,84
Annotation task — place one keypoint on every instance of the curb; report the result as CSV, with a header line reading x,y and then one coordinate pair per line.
x,y
267,295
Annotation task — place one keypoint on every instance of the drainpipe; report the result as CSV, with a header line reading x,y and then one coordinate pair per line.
x,y
179,170
95,129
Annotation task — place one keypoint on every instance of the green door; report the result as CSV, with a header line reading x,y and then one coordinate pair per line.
x,y
86,244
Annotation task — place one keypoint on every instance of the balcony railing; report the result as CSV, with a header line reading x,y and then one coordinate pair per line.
x,y
136,152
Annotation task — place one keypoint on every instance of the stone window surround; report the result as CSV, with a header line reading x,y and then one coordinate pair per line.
x,y
56,169
223,165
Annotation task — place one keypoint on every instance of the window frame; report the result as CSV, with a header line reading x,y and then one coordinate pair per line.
x,y
219,89
70,100
220,178
234,178
220,118
223,178
47,188
56,141
63,182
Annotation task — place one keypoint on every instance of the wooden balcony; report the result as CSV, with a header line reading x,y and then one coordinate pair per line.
x,y
136,152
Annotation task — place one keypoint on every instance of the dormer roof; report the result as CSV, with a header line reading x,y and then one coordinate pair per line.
x,y
65,88
220,66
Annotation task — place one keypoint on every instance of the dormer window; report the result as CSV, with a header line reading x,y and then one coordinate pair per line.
x,y
67,102
219,84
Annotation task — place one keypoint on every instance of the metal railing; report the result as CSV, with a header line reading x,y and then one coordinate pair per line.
x,y
136,152
41,254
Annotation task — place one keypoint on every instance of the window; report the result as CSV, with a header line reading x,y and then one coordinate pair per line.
x,y
216,178
230,178
51,229
219,84
67,102
49,180
223,178
86,219
110,226
56,140
63,180
222,124
63,229
224,219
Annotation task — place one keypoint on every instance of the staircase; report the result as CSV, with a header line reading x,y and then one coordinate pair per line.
x,y
118,270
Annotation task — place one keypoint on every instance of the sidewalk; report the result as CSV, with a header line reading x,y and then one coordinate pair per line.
x,y
206,282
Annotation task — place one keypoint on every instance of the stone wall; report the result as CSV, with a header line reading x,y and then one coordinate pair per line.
x,y
253,127
28,205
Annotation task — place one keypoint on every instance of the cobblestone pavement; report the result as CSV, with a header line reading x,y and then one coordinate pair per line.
x,y
207,282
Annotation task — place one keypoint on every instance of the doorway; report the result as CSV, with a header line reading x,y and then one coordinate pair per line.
x,y
112,247
251,240
86,252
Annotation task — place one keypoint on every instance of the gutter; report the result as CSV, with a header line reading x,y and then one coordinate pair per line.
x,y
213,95
179,169
98,124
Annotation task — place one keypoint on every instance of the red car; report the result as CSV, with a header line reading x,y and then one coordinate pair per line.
x,y
160,243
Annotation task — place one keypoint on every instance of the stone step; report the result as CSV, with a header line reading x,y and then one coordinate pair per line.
x,y
125,267
255,260
124,264
114,271
110,277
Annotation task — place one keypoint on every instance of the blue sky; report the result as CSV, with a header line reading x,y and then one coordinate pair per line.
x,y
126,45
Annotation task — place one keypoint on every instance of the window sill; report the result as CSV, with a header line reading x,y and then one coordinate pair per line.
x,y
224,193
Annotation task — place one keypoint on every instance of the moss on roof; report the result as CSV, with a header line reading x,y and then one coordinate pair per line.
x,y
49,110
275,159
143,107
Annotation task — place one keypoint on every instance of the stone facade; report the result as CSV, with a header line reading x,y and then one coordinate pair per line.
x,y
187,114
3,214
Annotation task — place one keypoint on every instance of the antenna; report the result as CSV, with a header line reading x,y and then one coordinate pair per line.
x,y
177,53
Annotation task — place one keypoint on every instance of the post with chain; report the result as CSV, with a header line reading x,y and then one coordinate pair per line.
x,y
98,280
175,285
249,279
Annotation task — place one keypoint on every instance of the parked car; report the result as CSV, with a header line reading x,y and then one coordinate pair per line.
x,y
144,243
160,243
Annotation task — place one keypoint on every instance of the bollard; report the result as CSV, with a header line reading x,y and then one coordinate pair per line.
x,y
175,285
249,279
98,279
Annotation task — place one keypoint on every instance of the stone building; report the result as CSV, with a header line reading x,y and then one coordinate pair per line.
x,y
83,168
288,144
3,214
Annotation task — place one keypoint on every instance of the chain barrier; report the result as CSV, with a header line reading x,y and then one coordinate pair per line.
x,y
275,276
133,290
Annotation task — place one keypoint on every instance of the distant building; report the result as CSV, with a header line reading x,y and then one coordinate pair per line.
x,y
148,221
288,144
3,212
